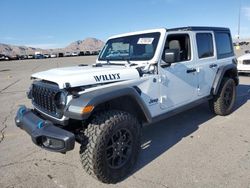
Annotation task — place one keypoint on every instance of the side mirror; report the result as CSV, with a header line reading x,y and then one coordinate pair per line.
x,y
171,56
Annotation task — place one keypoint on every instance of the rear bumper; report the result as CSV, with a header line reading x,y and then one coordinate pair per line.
x,y
44,133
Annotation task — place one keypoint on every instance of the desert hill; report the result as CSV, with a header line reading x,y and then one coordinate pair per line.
x,y
88,44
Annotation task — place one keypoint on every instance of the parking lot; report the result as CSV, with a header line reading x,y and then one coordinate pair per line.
x,y
192,149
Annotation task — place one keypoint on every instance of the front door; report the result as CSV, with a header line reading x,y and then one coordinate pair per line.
x,y
179,81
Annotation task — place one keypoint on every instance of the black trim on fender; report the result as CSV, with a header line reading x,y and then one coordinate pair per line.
x,y
94,98
220,74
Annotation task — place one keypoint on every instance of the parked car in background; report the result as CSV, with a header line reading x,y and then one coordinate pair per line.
x,y
22,57
53,55
244,63
30,56
87,53
8,57
12,57
247,51
46,55
95,53
39,56
2,57
60,54
74,54
67,54
81,53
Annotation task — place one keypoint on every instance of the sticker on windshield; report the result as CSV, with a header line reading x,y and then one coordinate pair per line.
x,y
145,40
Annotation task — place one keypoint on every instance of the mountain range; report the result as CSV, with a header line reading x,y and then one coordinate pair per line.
x,y
88,44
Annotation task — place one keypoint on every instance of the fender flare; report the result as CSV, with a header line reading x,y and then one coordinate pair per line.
x,y
96,97
220,74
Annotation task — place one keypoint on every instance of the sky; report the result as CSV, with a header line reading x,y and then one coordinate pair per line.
x,y
56,23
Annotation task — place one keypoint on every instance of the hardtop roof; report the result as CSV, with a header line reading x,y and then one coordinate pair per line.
x,y
199,28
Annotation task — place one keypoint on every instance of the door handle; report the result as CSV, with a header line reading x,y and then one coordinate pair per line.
x,y
213,65
191,70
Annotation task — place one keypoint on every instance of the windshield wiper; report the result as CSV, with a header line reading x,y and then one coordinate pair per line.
x,y
120,64
102,64
113,59
126,59
109,59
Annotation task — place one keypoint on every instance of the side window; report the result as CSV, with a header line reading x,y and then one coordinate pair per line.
x,y
205,45
181,44
223,44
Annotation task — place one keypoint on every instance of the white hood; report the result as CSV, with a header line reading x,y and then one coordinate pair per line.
x,y
244,57
87,75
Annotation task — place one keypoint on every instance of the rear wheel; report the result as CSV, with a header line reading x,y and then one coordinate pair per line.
x,y
223,102
113,146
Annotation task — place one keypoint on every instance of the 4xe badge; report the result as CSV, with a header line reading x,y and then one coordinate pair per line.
x,y
107,77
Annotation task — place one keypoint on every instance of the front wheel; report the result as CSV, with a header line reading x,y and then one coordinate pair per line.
x,y
223,102
113,146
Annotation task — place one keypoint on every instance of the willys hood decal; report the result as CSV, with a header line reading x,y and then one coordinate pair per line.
x,y
87,75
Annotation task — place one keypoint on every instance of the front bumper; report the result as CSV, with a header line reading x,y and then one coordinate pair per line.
x,y
243,68
44,133
244,71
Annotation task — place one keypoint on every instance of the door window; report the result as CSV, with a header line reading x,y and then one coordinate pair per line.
x,y
179,43
224,45
205,45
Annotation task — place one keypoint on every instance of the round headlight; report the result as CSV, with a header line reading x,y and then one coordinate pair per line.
x,y
60,100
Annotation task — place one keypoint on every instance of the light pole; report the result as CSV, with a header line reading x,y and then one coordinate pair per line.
x,y
239,21
237,47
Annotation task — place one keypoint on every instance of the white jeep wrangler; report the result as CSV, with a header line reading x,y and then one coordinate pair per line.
x,y
138,78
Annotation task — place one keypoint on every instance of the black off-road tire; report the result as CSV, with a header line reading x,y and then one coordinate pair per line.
x,y
113,146
223,103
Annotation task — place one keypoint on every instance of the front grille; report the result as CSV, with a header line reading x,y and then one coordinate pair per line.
x,y
246,62
43,95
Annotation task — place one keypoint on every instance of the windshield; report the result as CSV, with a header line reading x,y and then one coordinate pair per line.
x,y
135,47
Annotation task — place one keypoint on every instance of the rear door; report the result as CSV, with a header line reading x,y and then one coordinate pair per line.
x,y
206,59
